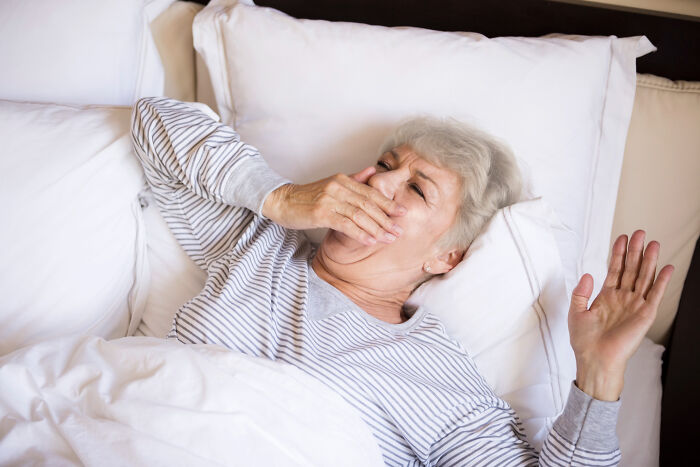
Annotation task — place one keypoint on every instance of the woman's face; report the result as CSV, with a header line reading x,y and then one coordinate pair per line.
x,y
430,195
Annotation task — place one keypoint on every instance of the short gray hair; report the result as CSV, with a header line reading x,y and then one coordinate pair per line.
x,y
487,169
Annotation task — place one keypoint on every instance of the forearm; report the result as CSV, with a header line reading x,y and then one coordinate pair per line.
x,y
251,183
180,144
584,434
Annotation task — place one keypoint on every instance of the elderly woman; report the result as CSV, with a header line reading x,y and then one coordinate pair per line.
x,y
337,312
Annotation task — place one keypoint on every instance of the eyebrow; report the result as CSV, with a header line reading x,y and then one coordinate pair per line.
x,y
418,172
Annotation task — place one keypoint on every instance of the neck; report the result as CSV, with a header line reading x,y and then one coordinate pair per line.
x,y
384,304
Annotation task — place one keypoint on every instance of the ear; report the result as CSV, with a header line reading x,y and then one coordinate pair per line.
x,y
446,261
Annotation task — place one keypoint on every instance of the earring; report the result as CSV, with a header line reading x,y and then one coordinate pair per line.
x,y
427,268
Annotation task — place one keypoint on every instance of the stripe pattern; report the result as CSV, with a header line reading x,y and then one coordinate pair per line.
x,y
416,388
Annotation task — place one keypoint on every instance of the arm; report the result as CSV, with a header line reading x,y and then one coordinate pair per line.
x,y
206,181
344,203
603,338
182,148
180,145
584,434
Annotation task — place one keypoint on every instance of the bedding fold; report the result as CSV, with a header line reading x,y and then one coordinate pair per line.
x,y
147,401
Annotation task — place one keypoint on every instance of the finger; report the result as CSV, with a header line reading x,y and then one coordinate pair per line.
x,y
582,293
378,216
657,290
364,175
345,225
365,222
633,260
648,268
387,205
617,261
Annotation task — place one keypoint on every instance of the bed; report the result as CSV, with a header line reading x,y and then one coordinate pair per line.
x,y
92,275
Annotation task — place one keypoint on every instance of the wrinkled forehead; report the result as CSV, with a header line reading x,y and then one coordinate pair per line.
x,y
447,180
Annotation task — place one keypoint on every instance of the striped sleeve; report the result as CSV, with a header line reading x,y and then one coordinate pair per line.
x,y
207,182
584,434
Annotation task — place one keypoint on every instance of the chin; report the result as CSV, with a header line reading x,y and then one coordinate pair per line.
x,y
342,249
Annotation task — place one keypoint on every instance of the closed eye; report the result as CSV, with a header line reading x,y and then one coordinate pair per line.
x,y
417,189
384,165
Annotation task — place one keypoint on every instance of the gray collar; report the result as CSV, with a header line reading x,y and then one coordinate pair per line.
x,y
325,301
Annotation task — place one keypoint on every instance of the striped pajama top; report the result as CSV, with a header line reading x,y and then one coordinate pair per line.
x,y
415,387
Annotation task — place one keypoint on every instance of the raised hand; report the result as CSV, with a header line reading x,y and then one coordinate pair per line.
x,y
340,202
607,334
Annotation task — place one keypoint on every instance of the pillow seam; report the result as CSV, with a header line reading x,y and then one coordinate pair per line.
x,y
670,87
659,82
535,286
138,85
595,166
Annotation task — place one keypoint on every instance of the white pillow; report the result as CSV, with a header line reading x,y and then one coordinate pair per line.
x,y
78,52
639,421
317,97
174,277
507,303
73,244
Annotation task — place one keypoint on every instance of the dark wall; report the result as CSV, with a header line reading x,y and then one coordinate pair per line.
x,y
678,41
680,407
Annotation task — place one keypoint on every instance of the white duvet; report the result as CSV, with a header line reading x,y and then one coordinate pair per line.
x,y
146,401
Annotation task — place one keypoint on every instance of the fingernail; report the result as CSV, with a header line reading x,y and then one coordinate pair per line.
x,y
397,228
371,240
389,237
402,210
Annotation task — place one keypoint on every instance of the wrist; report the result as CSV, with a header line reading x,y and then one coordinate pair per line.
x,y
600,383
273,201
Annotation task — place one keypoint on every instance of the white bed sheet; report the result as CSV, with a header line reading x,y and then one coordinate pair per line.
x,y
639,421
145,401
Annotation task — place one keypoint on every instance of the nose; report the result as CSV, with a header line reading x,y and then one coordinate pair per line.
x,y
387,182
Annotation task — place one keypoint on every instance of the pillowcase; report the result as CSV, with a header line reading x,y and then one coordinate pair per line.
x,y
174,277
660,170
639,420
78,52
74,245
507,303
317,97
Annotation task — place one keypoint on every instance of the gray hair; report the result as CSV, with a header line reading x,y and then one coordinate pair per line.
x,y
489,174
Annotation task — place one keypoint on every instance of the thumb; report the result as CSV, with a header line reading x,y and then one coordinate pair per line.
x,y
582,293
363,175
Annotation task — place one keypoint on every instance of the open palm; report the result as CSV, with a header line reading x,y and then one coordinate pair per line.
x,y
609,332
